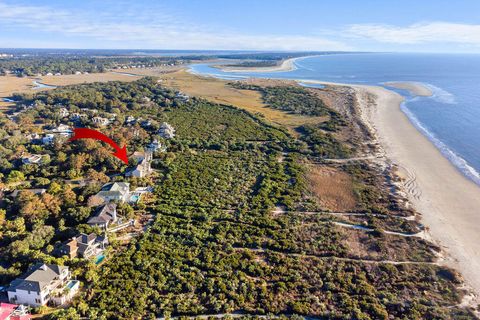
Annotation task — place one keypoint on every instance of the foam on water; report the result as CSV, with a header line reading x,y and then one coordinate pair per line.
x,y
440,94
451,155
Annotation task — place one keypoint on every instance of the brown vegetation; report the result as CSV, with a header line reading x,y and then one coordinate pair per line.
x,y
332,187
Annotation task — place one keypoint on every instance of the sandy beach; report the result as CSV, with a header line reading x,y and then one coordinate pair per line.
x,y
415,89
286,65
448,202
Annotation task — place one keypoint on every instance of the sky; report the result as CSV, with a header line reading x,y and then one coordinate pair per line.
x,y
293,25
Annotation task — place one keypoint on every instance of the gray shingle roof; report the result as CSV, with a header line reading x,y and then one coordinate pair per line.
x,y
37,277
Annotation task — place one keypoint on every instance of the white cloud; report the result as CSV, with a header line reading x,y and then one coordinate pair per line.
x,y
150,29
440,32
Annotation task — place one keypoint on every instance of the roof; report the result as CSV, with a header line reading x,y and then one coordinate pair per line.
x,y
6,310
37,277
104,214
86,238
116,186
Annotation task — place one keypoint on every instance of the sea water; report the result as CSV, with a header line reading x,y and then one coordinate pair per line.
x,y
450,118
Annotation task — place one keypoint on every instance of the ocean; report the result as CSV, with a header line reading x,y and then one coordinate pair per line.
x,y
450,118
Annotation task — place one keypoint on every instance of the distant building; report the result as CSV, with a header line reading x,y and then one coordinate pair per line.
x,y
130,120
82,246
63,112
48,139
104,216
78,116
100,121
166,131
63,130
182,96
32,159
41,284
156,146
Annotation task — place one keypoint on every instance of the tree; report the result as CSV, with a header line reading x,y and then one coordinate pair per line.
x,y
54,188
15,176
31,206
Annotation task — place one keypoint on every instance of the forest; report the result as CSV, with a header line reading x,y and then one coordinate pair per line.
x,y
32,66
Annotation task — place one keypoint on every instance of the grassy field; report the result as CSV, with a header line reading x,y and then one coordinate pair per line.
x,y
219,91
332,187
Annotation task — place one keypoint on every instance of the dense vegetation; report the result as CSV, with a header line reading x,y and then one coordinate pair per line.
x,y
216,244
253,64
31,66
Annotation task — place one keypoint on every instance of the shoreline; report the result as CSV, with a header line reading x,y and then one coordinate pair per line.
x,y
414,88
445,198
286,65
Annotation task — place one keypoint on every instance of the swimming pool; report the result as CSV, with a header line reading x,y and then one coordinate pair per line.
x,y
99,259
134,199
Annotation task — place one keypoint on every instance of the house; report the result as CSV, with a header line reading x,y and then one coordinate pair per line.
x,y
116,191
142,168
105,215
166,131
41,284
34,137
155,146
100,121
146,124
77,116
182,96
32,159
63,130
10,311
48,138
130,120
82,246
63,112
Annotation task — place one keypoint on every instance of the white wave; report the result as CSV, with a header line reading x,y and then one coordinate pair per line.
x,y
440,94
451,155
297,64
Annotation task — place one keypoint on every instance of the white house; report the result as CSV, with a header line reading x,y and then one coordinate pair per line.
x,y
156,146
116,191
166,131
32,159
143,167
100,121
48,138
63,112
41,284
63,130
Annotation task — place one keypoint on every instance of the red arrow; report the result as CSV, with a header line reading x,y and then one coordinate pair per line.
x,y
85,133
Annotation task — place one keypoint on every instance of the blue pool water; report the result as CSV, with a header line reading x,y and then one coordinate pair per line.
x,y
450,118
134,199
71,284
99,259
